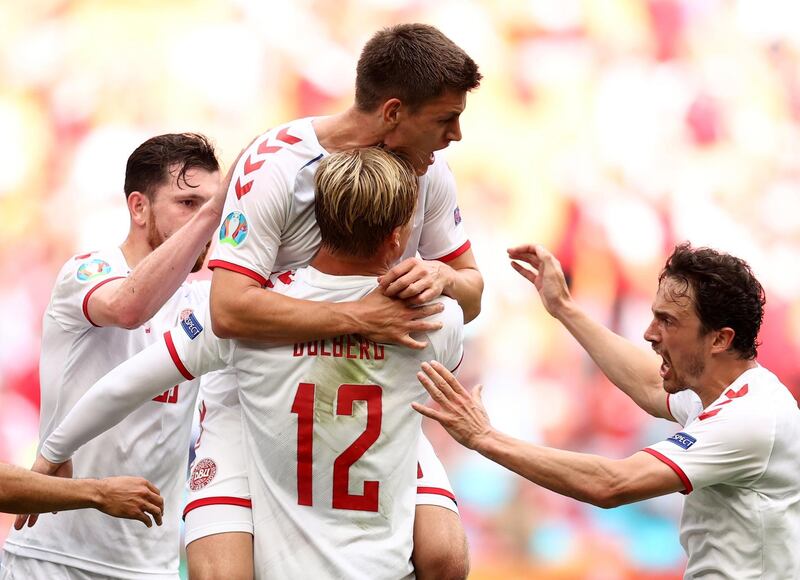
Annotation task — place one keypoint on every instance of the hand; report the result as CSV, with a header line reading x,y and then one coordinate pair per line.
x,y
461,413
45,467
388,320
217,203
546,275
418,281
132,498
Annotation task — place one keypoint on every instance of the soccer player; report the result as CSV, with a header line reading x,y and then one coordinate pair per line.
x,y
107,306
736,457
330,436
23,491
411,88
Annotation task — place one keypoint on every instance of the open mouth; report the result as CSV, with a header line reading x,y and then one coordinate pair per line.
x,y
665,369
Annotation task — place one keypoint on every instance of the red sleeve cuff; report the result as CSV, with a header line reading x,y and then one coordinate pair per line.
x,y
238,269
88,295
674,466
173,353
436,491
455,253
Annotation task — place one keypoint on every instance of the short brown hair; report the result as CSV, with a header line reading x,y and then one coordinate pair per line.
x,y
362,195
726,293
163,157
414,63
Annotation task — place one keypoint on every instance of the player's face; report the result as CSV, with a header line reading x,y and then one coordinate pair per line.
x,y
175,203
430,128
676,335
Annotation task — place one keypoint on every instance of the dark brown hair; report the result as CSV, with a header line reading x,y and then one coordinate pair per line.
x,y
414,63
164,157
726,293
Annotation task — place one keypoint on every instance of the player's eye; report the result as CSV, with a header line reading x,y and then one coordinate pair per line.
x,y
187,202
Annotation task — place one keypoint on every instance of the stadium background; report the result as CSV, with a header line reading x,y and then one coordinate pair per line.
x,y
606,130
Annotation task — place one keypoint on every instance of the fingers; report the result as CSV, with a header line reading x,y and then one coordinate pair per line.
x,y
435,375
397,272
32,519
154,489
154,510
20,520
406,340
425,297
429,412
526,273
449,378
428,310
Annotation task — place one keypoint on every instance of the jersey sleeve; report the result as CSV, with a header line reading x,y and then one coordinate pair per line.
x,y
443,235
448,342
115,396
194,348
78,279
684,405
256,212
729,447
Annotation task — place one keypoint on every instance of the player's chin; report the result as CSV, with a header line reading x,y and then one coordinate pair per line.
x,y
673,388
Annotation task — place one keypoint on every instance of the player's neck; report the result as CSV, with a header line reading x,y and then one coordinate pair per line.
x,y
135,248
337,264
348,130
719,375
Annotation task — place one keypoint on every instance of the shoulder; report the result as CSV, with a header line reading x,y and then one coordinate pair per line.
x,y
282,151
90,267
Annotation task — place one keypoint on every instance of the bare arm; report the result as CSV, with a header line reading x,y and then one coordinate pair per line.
x,y
589,478
131,302
632,369
23,491
420,281
240,308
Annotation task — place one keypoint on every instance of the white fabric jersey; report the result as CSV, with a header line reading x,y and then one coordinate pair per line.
x,y
270,224
738,459
152,442
330,438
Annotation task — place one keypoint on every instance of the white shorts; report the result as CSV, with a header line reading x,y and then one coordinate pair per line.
x,y
219,494
15,567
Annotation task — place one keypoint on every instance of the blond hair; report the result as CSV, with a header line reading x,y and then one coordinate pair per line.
x,y
362,195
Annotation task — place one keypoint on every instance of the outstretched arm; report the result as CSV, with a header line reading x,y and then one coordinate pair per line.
x,y
632,369
23,491
240,308
589,478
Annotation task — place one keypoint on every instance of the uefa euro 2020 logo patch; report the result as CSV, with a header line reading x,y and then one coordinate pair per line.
x,y
191,326
93,269
682,440
233,230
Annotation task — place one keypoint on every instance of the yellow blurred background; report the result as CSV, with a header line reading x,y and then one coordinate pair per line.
x,y
607,130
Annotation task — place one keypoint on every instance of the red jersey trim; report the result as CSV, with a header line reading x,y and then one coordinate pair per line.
x,y
669,410
674,466
221,500
436,491
85,305
173,353
238,269
456,253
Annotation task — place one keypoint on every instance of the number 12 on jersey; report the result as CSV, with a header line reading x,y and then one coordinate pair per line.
x,y
346,395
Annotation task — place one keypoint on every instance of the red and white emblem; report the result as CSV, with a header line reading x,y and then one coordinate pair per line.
x,y
202,474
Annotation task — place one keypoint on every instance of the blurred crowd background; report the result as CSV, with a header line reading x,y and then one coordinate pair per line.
x,y
607,130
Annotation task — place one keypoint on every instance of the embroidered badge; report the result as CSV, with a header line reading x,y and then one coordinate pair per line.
x,y
233,230
682,440
93,269
457,216
190,324
202,474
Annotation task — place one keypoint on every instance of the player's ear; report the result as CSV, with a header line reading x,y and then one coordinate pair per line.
x,y
723,339
139,208
390,111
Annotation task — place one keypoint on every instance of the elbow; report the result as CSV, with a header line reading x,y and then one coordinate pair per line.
x,y
223,326
127,316
472,312
608,495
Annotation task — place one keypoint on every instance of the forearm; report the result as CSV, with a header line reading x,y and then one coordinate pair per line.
x,y
111,399
157,277
467,289
586,478
632,369
261,315
23,491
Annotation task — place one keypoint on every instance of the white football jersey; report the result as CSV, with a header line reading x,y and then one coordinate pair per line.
x,y
270,224
152,442
738,459
330,437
